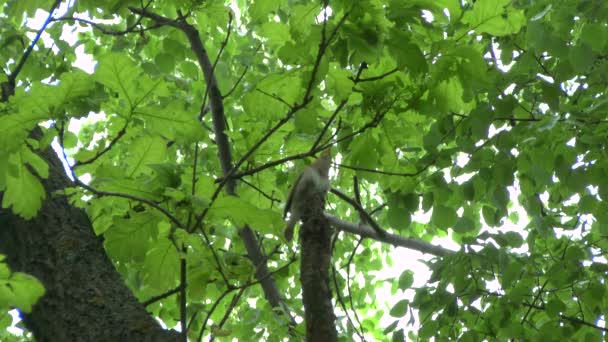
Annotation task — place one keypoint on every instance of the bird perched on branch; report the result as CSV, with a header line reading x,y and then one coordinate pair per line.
x,y
313,180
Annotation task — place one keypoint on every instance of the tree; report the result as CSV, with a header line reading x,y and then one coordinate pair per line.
x,y
488,116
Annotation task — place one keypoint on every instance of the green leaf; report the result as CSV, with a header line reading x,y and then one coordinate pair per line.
x,y
427,201
306,121
554,307
595,35
587,204
161,266
399,218
240,212
464,225
18,289
277,33
581,57
128,240
510,274
408,55
489,215
261,9
339,81
514,239
27,290
406,279
144,151
400,308
34,107
494,17
599,267
363,152
119,73
172,122
24,192
391,327
398,336
73,86
444,217
165,62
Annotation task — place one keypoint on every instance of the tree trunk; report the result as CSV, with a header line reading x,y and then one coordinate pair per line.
x,y
315,239
86,298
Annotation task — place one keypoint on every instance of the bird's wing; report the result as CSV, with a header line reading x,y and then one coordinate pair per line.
x,y
290,197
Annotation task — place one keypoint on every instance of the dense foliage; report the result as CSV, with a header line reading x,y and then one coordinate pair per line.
x,y
489,116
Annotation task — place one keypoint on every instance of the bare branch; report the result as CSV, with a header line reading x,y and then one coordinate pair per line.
x,y
387,173
120,134
348,282
368,219
395,240
269,197
379,77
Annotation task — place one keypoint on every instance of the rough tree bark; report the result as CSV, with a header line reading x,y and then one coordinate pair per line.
x,y
86,298
315,239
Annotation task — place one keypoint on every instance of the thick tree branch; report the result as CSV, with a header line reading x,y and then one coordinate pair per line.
x,y
315,254
395,240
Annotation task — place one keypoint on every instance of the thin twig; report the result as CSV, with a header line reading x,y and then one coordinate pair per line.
x,y
162,296
235,85
231,307
274,163
329,122
229,290
225,42
183,313
228,173
120,134
379,77
342,304
101,193
13,76
386,173
361,211
269,197
348,287
275,97
217,259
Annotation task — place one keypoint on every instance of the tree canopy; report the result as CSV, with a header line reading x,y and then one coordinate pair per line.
x,y
483,122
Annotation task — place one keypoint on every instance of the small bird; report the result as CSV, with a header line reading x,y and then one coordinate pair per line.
x,y
313,180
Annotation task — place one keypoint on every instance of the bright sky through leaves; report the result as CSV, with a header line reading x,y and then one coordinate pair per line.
x,y
475,126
